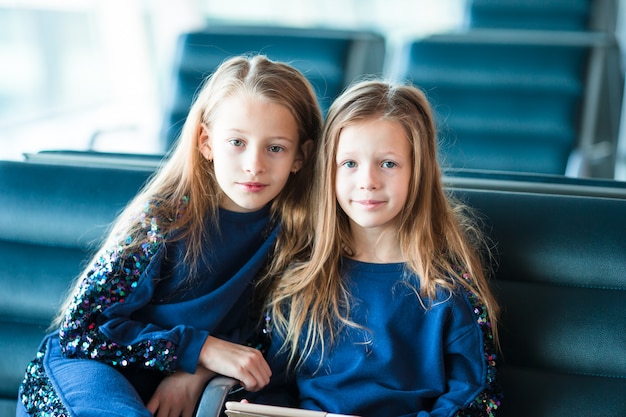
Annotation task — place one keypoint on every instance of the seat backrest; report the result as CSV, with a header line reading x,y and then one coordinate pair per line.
x,y
330,59
52,218
561,283
528,85
533,183
530,14
501,104
560,280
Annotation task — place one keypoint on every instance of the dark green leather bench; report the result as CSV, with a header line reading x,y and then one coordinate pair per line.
x,y
561,276
50,218
561,281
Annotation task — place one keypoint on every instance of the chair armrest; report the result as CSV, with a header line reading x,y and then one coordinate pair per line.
x,y
212,401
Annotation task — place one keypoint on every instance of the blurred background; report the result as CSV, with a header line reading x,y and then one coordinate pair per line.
x,y
528,97
96,75
71,68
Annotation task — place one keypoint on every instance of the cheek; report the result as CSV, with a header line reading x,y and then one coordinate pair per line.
x,y
219,166
342,193
287,165
281,174
222,172
341,180
402,190
339,188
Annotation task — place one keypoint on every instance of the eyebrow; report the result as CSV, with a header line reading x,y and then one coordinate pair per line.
x,y
387,154
243,132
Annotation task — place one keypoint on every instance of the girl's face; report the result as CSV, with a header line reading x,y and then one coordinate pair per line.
x,y
373,172
254,147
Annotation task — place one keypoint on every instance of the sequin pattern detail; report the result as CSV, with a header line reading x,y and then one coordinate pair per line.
x,y
113,277
487,403
38,396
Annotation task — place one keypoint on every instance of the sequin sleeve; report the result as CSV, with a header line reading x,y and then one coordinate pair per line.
x,y
110,290
487,400
475,394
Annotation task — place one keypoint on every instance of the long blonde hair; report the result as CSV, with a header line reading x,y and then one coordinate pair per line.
x,y
185,190
310,303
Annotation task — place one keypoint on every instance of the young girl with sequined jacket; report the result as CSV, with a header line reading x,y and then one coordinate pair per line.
x,y
164,305
392,314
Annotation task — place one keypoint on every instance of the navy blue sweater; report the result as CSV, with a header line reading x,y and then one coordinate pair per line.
x,y
408,360
133,311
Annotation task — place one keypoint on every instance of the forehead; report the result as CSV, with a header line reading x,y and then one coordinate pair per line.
x,y
373,134
244,111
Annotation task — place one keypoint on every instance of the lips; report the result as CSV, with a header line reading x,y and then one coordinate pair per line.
x,y
252,187
370,204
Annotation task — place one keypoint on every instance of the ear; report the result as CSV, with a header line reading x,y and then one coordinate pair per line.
x,y
303,154
203,143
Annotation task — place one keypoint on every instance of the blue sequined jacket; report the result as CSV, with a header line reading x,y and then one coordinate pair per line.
x,y
132,309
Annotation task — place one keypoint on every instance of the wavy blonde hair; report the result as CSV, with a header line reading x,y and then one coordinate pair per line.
x,y
187,176
443,247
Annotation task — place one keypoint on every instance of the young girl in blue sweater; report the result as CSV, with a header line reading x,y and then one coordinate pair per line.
x,y
164,304
391,315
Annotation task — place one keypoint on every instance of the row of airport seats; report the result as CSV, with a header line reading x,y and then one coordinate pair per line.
x,y
330,59
560,279
52,217
560,274
526,86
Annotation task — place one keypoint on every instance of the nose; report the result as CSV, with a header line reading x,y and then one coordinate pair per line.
x,y
254,162
369,178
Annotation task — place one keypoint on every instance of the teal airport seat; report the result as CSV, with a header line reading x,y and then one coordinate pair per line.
x,y
501,103
329,58
52,218
569,15
560,275
520,90
560,280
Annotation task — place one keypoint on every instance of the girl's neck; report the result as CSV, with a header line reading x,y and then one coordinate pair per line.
x,y
376,246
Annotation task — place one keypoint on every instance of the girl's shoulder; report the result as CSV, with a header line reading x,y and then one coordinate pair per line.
x,y
162,213
151,221
466,300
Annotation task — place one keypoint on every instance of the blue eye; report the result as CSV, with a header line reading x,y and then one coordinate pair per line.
x,y
236,142
349,164
276,148
389,164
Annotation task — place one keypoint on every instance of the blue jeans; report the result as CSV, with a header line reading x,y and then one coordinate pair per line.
x,y
87,388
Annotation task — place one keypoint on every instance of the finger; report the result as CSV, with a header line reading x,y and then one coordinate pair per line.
x,y
188,411
255,374
163,411
261,370
153,405
254,381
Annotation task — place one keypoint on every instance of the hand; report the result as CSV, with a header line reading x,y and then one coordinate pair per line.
x,y
245,364
178,393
